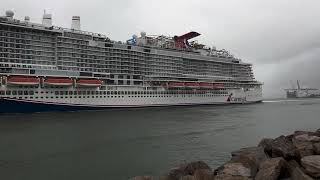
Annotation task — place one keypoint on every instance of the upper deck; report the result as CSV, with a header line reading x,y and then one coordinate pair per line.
x,y
74,51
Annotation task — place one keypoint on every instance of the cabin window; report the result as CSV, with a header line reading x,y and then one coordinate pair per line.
x,y
8,92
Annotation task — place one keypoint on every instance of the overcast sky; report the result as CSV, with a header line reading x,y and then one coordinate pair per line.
x,y
280,37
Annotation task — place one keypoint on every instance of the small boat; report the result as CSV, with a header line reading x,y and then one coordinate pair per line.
x,y
88,82
23,80
58,81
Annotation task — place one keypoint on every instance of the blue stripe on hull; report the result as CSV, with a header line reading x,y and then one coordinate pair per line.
x,y
17,106
12,106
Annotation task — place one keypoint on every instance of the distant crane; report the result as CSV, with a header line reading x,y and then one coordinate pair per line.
x,y
299,92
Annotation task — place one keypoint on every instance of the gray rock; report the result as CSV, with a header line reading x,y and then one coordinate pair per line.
x,y
187,177
188,169
296,173
203,174
297,133
310,137
255,154
311,165
316,148
193,166
303,147
282,147
165,178
271,169
244,162
238,169
266,144
143,178
230,177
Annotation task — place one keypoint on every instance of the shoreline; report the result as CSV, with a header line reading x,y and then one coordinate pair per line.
x,y
291,157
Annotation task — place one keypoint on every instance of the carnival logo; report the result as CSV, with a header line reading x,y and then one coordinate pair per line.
x,y
233,99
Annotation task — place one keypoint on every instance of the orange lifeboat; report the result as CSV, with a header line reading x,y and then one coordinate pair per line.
x,y
58,81
218,85
206,85
191,84
89,82
176,84
22,80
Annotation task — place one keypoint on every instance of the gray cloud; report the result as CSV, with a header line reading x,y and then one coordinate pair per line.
x,y
281,38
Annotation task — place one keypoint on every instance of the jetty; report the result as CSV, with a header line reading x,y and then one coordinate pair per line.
x,y
291,157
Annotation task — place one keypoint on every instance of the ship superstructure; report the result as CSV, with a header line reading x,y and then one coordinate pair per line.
x,y
44,67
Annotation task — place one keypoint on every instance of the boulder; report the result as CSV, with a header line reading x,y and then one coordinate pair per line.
x,y
303,147
282,147
238,169
165,178
188,169
295,171
193,166
187,177
143,178
316,148
297,133
271,169
309,137
266,144
255,154
230,177
203,174
244,162
311,165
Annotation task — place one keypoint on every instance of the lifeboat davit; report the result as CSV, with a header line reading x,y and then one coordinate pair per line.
x,y
192,84
22,80
89,82
176,84
58,81
206,85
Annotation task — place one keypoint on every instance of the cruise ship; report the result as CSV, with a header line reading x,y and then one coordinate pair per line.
x,y
49,68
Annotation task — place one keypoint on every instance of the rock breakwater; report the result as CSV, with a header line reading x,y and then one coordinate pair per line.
x,y
292,157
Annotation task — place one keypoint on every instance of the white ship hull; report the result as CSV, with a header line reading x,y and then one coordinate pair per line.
x,y
50,102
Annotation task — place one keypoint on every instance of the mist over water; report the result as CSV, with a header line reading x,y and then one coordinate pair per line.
x,y
118,144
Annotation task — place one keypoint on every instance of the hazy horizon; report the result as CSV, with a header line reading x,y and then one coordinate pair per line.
x,y
280,38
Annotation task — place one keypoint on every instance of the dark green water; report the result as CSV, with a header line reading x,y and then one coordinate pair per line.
x,y
118,144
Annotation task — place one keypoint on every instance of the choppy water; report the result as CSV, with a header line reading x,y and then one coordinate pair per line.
x,y
117,144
